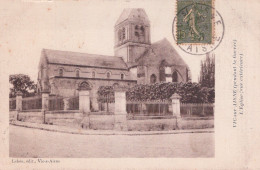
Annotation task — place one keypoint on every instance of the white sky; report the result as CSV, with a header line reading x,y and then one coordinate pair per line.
x,y
80,26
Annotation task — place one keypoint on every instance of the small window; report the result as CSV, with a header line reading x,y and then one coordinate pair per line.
x,y
108,75
153,79
61,72
77,73
175,76
122,76
93,74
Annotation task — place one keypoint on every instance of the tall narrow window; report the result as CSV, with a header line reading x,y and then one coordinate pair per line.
x,y
142,30
162,71
153,79
61,72
123,33
77,73
142,34
119,35
175,76
122,76
137,31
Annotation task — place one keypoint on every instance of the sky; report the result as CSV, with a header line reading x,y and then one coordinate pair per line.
x,y
79,26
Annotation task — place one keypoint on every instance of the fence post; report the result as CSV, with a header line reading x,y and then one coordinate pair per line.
x,y
94,100
19,104
45,100
84,101
66,103
176,108
45,103
84,104
120,108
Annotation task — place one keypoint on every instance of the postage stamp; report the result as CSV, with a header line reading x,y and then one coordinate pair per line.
x,y
195,21
198,28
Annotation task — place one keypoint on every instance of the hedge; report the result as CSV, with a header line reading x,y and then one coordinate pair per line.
x,y
189,92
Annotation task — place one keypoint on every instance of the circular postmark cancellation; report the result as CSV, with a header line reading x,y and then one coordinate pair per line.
x,y
197,28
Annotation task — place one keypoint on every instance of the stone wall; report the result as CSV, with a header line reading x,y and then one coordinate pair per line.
x,y
197,123
64,118
31,116
107,122
147,71
151,125
65,86
101,122
86,72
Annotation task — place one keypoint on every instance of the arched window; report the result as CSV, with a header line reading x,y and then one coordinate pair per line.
x,y
137,31
93,74
77,73
142,30
153,79
115,85
123,33
175,76
119,35
61,72
108,75
162,72
122,76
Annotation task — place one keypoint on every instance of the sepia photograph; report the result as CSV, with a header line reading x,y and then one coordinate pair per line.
x,y
142,100
129,84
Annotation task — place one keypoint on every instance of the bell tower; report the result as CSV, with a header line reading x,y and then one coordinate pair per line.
x,y
132,34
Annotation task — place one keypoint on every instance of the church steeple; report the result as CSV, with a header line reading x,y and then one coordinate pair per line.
x,y
132,34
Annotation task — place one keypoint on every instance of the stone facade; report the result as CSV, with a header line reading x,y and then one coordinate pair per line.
x,y
136,60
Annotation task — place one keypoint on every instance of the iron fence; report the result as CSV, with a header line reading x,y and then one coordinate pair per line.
x,y
74,103
149,108
31,103
56,103
197,109
105,103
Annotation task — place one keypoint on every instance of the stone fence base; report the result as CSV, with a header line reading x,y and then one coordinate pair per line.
x,y
111,122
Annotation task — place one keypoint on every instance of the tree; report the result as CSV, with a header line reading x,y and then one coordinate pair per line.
x,y
207,72
22,83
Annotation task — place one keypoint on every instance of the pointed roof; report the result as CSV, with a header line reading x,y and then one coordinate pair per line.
x,y
133,14
83,59
159,51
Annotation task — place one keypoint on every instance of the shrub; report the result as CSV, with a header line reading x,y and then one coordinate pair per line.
x,y
189,92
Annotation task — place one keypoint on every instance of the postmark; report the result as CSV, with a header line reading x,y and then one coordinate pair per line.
x,y
197,27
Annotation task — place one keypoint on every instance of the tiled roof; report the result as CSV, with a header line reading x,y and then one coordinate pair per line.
x,y
83,59
133,14
161,49
131,64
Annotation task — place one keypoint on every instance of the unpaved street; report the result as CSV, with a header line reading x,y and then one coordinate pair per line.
x,y
26,142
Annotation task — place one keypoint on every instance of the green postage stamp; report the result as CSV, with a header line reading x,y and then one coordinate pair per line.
x,y
195,22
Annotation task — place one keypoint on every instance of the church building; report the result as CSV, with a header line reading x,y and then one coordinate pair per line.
x,y
136,61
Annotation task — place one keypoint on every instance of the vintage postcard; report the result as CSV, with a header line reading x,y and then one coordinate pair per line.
x,y
127,84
